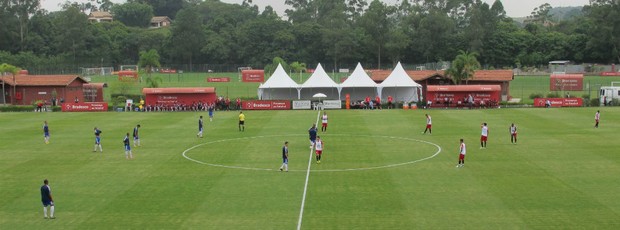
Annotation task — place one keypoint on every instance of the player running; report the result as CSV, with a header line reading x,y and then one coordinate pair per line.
x,y
462,152
429,123
513,133
484,136
284,157
136,137
319,149
46,133
98,140
312,133
128,154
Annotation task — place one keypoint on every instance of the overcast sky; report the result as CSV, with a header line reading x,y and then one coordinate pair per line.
x,y
514,8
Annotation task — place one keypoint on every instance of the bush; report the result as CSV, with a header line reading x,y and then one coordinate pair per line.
x,y
594,102
24,108
536,95
553,95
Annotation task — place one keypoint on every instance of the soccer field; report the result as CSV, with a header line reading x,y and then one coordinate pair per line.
x,y
378,171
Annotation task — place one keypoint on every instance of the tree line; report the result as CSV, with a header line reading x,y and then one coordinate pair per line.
x,y
333,32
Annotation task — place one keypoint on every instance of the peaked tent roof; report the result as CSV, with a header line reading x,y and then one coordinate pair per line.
x,y
279,79
319,79
399,78
359,78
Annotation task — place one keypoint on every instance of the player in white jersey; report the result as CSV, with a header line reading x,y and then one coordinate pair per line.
x,y
513,133
597,117
324,122
318,146
462,152
429,123
484,136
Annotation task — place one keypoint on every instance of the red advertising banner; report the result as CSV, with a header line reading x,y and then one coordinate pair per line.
x,y
610,73
566,82
559,102
266,105
218,79
85,107
256,75
168,71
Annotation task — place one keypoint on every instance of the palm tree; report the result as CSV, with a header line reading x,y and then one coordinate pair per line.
x,y
463,67
149,60
6,68
298,67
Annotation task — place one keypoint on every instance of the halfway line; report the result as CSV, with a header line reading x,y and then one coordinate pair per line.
x,y
303,198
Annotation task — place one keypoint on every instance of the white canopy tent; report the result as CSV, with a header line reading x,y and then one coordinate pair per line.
x,y
400,86
319,82
359,85
279,86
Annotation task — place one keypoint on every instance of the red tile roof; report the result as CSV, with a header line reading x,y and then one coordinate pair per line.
x,y
420,75
178,90
41,80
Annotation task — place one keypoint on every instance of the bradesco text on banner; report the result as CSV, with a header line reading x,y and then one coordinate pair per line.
x,y
302,104
559,102
332,104
85,107
266,105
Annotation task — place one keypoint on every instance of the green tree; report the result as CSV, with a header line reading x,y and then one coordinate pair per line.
x,y
13,70
23,10
270,68
463,67
298,67
187,35
604,32
376,22
148,61
133,14
168,8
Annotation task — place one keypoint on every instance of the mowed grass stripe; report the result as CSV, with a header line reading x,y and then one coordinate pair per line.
x,y
560,175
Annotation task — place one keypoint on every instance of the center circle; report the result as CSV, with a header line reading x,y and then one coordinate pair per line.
x,y
329,137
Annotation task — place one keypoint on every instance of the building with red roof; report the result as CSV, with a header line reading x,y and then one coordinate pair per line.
x,y
24,89
439,77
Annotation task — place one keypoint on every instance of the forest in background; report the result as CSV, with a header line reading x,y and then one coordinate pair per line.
x,y
336,33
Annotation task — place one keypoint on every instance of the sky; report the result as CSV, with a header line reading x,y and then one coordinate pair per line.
x,y
514,8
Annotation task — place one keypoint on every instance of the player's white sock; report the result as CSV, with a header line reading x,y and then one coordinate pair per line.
x,y
100,148
286,167
130,155
52,211
95,150
45,212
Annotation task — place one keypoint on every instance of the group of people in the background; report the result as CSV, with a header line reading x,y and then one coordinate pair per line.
x,y
221,104
369,103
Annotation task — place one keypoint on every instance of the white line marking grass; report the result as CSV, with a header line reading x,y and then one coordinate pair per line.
x,y
303,198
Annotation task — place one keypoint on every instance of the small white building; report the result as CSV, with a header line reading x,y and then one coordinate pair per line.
x,y
160,21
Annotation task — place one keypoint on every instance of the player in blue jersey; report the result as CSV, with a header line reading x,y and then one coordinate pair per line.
x,y
312,132
46,198
98,140
136,137
284,157
128,154
210,109
46,132
200,127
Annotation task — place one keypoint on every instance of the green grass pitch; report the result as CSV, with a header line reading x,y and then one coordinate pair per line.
x,y
563,173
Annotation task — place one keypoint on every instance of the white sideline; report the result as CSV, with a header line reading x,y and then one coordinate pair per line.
x,y
303,198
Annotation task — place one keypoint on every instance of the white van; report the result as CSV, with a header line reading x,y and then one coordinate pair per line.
x,y
608,93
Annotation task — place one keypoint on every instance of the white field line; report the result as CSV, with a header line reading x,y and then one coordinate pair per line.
x,y
316,170
303,198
